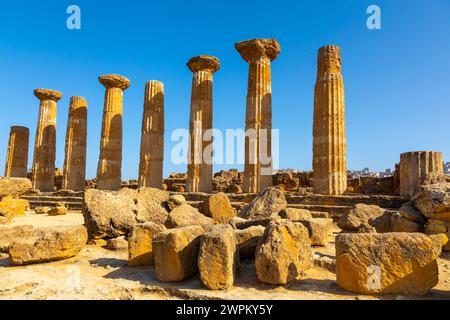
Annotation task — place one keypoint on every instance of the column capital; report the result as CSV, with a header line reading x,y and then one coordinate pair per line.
x,y
47,94
255,49
114,81
329,59
203,62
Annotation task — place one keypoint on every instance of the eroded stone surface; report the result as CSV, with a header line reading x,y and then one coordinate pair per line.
x,y
140,248
218,257
176,253
48,244
283,252
109,214
403,263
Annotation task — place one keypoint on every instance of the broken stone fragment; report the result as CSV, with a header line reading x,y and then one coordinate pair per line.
x,y
48,244
218,257
247,240
320,230
117,244
265,205
140,248
439,241
110,214
175,200
176,252
59,210
41,210
434,201
186,215
295,214
400,263
283,252
219,208
14,186
366,214
408,211
401,224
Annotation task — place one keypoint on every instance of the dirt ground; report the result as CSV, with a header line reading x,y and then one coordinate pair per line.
x,y
98,273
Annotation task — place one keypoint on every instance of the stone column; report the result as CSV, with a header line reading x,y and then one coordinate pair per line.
x,y
200,170
17,155
109,171
152,138
43,176
258,120
415,166
75,160
329,139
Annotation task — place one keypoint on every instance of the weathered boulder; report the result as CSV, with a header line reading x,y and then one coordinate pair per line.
x,y
218,257
365,214
117,244
17,206
175,200
401,224
247,240
140,248
283,252
295,214
266,205
8,234
408,211
59,210
435,226
434,201
402,263
219,208
439,241
41,210
176,252
48,244
186,215
320,230
14,186
110,214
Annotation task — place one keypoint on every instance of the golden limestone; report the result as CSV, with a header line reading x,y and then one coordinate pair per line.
x,y
17,155
45,142
75,160
329,140
258,121
200,170
109,170
414,168
152,139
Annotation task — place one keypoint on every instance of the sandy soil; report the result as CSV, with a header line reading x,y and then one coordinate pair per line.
x,y
97,273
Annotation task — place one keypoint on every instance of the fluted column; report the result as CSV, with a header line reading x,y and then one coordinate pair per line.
x,y
200,170
109,171
75,159
258,120
43,176
152,136
329,139
17,155
414,168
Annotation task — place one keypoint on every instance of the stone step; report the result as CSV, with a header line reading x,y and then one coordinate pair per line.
x,y
69,205
53,198
383,201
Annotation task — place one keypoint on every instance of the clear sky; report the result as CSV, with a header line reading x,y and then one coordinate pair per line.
x,y
397,79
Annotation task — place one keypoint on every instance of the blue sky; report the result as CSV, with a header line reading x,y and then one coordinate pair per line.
x,y
397,79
